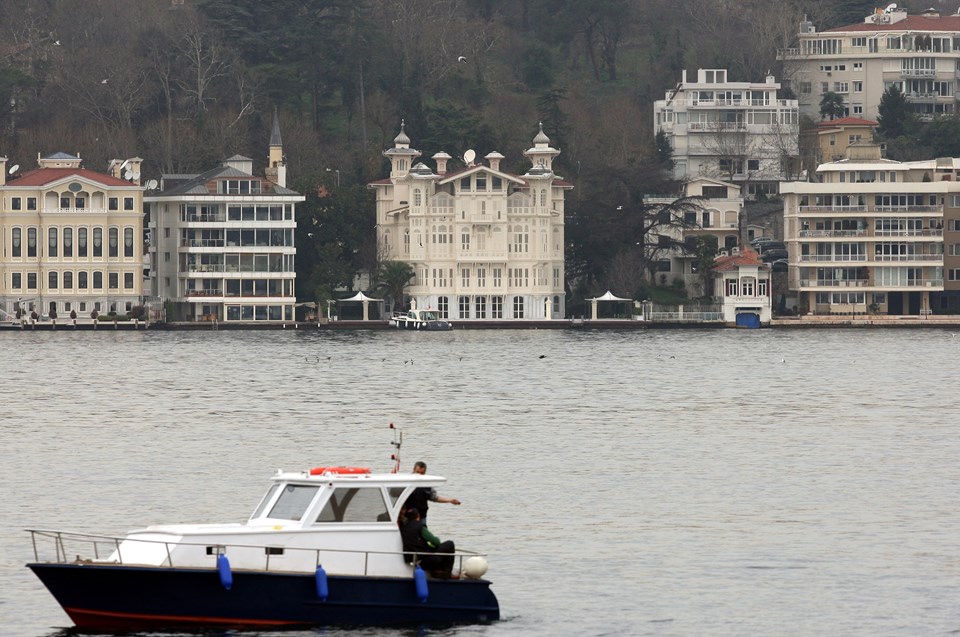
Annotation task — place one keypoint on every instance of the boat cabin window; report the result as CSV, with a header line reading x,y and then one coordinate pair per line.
x,y
265,501
293,502
355,505
395,493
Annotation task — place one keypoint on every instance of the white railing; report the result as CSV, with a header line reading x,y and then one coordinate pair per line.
x,y
832,233
832,257
65,547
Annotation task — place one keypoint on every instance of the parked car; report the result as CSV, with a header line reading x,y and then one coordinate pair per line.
x,y
772,254
780,265
758,241
772,245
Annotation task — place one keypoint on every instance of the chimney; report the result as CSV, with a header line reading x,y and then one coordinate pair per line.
x,y
3,171
493,159
442,158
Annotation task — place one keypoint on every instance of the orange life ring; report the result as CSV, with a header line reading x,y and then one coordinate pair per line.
x,y
319,471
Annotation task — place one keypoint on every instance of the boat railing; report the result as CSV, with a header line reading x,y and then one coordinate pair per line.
x,y
80,545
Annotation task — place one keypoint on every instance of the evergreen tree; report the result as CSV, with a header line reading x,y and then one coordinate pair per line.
x,y
831,106
893,113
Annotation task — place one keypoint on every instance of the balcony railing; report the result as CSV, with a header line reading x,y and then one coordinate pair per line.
x,y
908,257
834,283
206,292
918,73
824,258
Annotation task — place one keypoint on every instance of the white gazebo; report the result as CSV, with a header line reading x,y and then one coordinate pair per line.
x,y
359,297
608,297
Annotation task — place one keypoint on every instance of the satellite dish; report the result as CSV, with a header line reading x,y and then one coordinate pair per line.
x,y
469,156
890,7
14,168
127,174
152,184
135,174
124,164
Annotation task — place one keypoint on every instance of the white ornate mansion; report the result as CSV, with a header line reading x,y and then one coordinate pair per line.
x,y
484,244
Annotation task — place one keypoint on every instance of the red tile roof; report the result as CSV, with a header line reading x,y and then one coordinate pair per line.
x,y
747,256
910,23
44,176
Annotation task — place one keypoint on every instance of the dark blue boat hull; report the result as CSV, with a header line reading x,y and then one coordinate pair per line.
x,y
113,597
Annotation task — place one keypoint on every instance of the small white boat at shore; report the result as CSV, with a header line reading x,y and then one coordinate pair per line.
x,y
421,320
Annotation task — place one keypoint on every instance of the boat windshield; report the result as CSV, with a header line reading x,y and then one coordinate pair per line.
x,y
265,501
430,316
293,502
364,504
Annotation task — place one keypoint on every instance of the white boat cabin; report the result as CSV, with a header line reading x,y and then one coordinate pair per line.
x,y
343,518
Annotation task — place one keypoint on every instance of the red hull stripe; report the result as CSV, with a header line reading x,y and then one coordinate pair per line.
x,y
85,618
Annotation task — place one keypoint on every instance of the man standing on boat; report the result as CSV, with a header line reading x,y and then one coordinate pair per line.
x,y
421,497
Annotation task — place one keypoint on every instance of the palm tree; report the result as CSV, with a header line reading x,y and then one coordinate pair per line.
x,y
392,279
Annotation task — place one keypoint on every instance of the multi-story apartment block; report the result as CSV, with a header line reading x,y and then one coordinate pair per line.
x,y
828,140
870,236
72,239
918,53
717,214
734,131
483,243
223,241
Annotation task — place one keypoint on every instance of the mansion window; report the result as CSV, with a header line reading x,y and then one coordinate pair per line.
x,y
31,242
496,307
480,307
518,307
443,307
16,237
31,280
464,303
52,242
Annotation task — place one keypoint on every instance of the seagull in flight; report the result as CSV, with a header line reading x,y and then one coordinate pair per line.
x,y
462,59
104,81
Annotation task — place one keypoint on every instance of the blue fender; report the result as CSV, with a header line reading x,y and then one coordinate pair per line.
x,y
323,588
226,576
420,579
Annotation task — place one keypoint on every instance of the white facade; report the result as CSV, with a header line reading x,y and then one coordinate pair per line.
x,y
734,131
743,284
484,244
223,242
870,236
918,53
72,240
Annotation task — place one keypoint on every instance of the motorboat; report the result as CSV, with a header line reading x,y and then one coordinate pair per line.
x,y
421,320
323,547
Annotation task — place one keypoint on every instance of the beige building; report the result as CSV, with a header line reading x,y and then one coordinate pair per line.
x,y
739,132
870,236
223,241
918,53
828,140
484,244
72,239
717,214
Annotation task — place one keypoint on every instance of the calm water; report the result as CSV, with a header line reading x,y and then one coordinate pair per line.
x,y
661,483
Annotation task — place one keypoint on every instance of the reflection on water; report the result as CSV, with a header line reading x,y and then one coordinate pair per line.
x,y
624,483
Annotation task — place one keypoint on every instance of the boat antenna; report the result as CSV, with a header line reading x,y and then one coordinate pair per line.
x,y
397,441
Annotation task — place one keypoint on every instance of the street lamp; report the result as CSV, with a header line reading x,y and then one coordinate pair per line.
x,y
335,170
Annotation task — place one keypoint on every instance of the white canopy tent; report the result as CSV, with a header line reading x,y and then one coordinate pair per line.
x,y
358,297
608,296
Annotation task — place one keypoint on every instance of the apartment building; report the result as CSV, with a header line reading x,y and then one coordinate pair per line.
x,y
739,132
484,244
875,235
72,238
222,243
920,54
